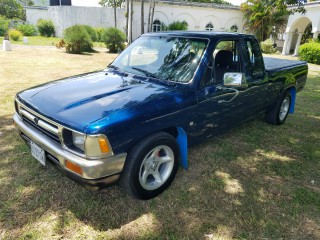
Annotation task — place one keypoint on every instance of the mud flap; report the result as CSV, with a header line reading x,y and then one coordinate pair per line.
x,y
293,93
183,146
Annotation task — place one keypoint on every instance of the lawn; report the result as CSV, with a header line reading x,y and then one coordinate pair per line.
x,y
45,41
256,181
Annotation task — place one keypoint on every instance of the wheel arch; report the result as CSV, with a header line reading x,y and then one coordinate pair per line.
x,y
293,93
181,137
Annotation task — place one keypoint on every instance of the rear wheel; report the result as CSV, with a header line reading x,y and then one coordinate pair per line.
x,y
151,166
281,109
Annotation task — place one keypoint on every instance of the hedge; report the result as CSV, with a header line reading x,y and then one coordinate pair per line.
x,y
310,52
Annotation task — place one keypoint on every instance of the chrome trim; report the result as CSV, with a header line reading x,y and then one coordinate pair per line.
x,y
92,169
39,122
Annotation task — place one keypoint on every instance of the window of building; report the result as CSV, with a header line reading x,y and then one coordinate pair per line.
x,y
209,27
156,26
234,28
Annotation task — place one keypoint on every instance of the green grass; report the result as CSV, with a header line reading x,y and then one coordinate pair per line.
x,y
256,181
46,41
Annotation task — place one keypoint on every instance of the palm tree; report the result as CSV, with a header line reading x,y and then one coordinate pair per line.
x,y
142,16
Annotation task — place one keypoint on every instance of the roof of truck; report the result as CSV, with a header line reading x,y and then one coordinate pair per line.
x,y
201,34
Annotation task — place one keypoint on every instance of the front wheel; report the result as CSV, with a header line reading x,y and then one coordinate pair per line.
x,y
151,166
281,109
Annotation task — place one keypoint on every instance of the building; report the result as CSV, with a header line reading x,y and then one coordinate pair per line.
x,y
199,16
298,23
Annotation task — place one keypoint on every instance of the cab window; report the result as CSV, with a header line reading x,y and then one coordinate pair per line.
x,y
225,58
255,65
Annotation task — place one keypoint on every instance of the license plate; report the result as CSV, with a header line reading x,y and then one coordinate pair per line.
x,y
38,153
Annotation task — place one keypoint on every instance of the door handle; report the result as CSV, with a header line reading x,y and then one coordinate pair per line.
x,y
226,88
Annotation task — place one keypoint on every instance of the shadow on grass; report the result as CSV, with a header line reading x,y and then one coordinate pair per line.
x,y
256,181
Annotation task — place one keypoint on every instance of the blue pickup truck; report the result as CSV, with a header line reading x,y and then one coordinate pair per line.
x,y
133,122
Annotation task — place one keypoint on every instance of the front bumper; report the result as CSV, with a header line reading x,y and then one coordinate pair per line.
x,y
95,173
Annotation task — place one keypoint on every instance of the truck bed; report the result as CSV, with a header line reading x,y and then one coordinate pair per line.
x,y
272,64
293,71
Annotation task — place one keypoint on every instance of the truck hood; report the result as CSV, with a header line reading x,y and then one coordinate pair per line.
x,y
78,101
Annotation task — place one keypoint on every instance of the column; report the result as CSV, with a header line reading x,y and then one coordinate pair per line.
x,y
286,37
287,43
298,44
315,35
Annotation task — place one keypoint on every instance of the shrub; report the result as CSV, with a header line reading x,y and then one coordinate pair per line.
x,y
15,35
114,39
310,52
4,25
46,28
27,29
177,25
61,44
100,31
77,39
91,31
267,46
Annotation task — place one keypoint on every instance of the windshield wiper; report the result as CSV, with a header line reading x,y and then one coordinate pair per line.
x,y
147,73
113,67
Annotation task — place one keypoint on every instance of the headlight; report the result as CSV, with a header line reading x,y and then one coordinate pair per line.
x,y
97,146
92,146
78,140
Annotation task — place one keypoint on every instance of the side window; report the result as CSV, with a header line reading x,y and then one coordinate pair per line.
x,y
255,64
225,58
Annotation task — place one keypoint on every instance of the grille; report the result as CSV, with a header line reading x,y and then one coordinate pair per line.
x,y
39,123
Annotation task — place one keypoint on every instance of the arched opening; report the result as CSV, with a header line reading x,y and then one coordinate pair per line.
x,y
156,25
307,34
234,28
209,27
294,38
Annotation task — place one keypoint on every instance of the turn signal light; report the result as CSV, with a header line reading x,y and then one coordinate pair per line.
x,y
73,167
104,146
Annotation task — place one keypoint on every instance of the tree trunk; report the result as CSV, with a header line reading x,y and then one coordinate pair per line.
x,y
127,21
115,13
130,22
142,16
149,17
152,13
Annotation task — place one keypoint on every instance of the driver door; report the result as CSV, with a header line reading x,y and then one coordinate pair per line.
x,y
218,107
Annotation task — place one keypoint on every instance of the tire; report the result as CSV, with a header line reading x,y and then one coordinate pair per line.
x,y
150,166
279,113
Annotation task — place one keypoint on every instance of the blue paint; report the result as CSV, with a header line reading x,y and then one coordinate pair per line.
x,y
128,107
293,93
183,145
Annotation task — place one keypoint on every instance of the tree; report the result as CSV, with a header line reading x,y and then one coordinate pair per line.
x,y
11,9
151,14
267,17
114,4
177,25
142,17
127,19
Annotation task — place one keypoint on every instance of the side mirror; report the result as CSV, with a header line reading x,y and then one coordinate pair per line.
x,y
233,79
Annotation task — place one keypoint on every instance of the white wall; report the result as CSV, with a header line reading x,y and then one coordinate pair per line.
x,y
66,16
33,14
196,15
300,21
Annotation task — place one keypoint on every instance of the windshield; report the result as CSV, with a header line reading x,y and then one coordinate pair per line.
x,y
168,58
